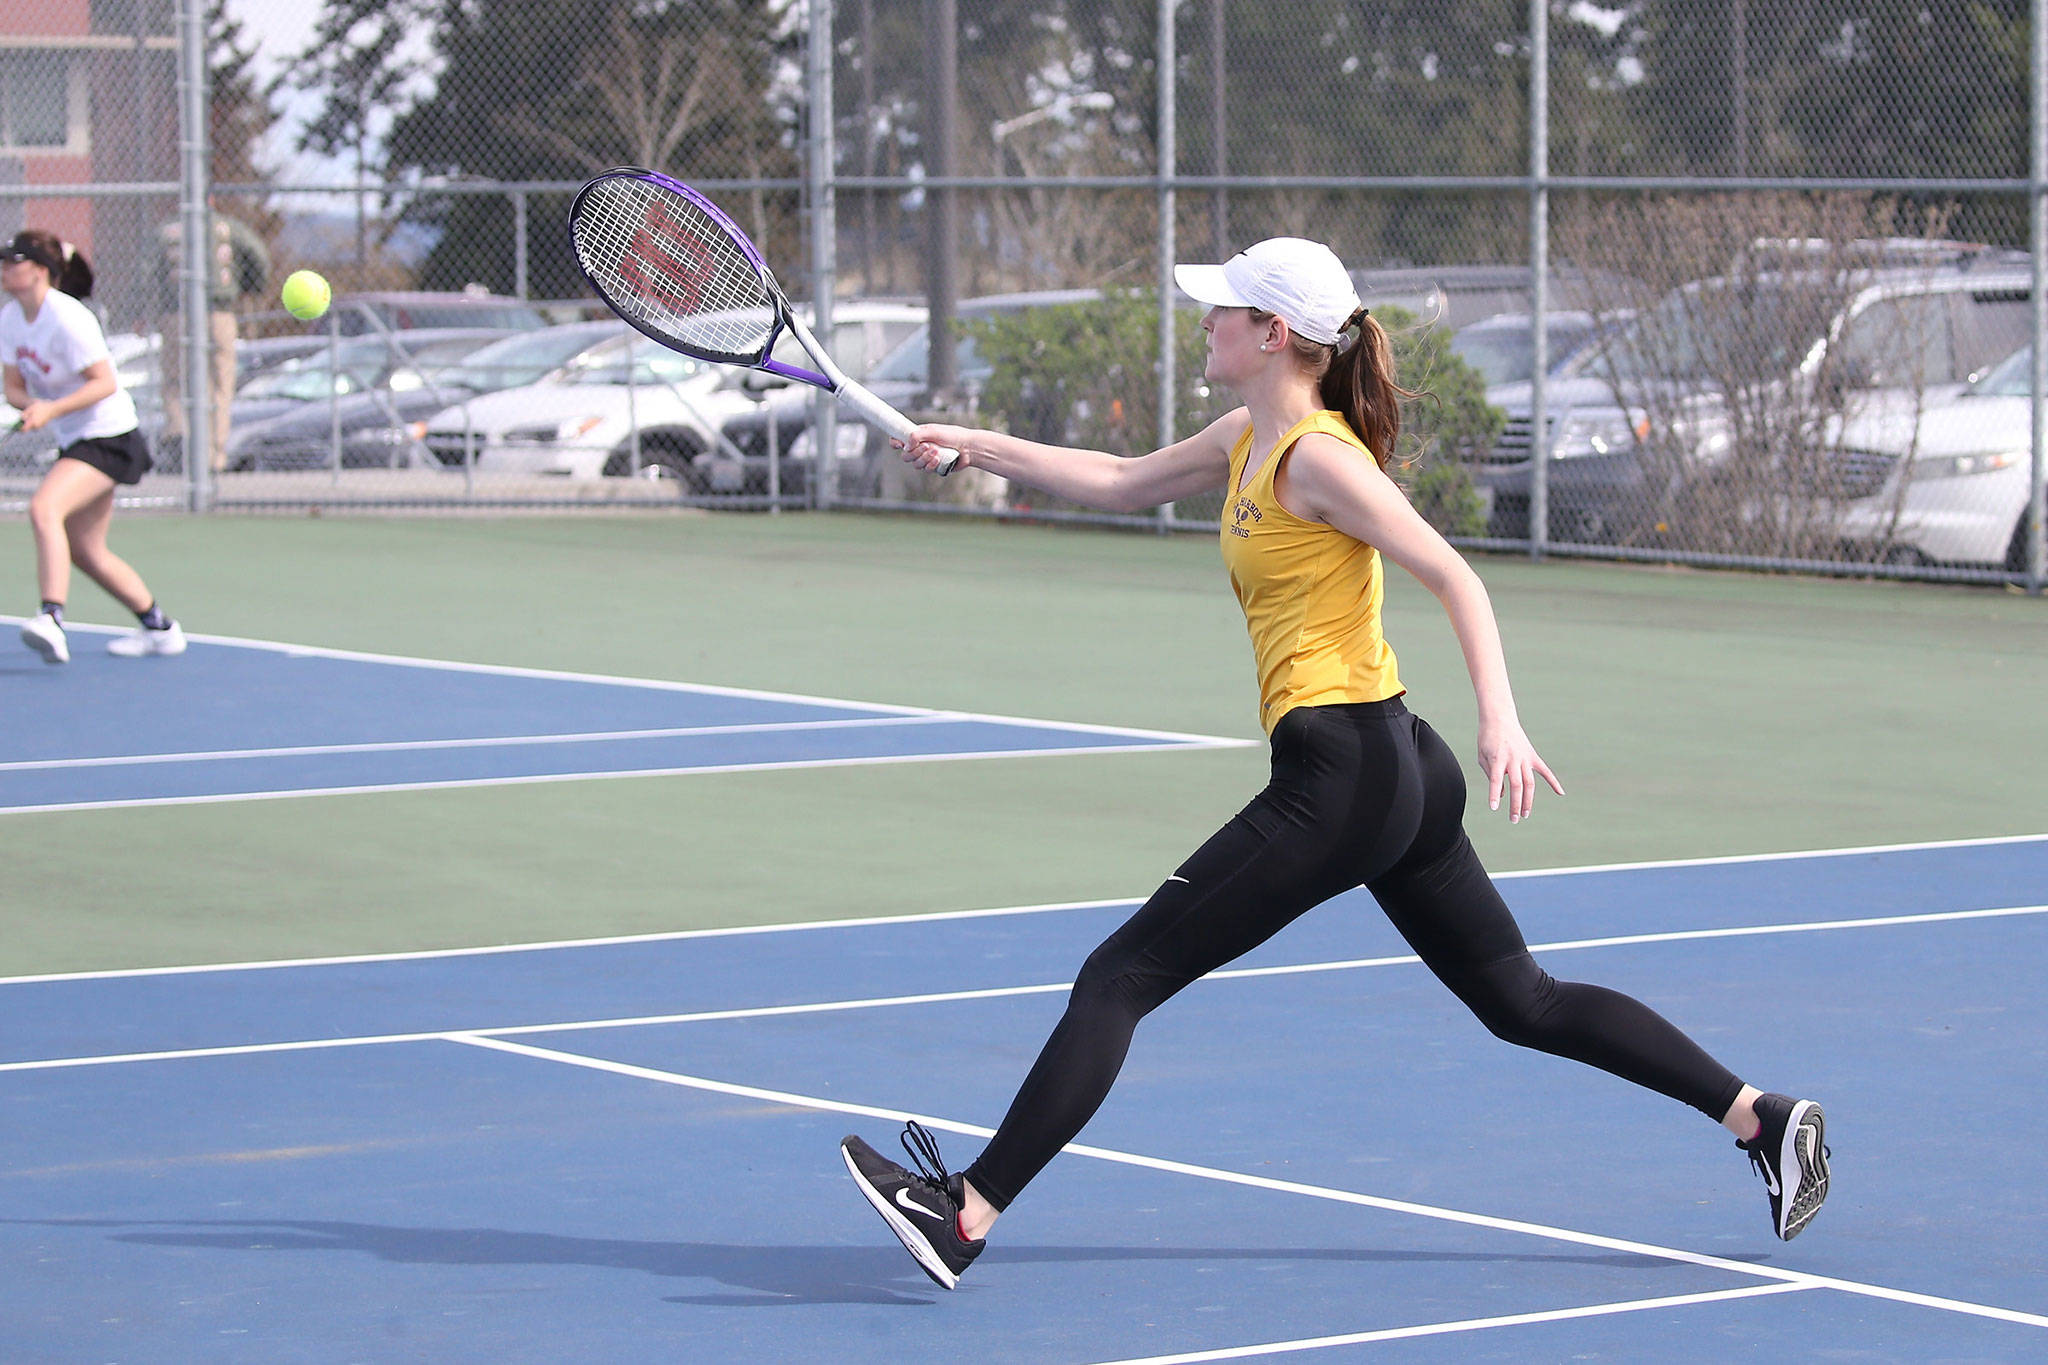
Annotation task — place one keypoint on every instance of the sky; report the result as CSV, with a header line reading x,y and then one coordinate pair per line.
x,y
279,30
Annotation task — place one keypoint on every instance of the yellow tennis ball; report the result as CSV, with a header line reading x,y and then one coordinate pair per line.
x,y
306,295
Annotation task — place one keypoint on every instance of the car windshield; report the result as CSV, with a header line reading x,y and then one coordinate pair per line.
x,y
630,359
363,363
403,314
353,365
2012,377
432,362
1706,333
910,362
517,361
1503,353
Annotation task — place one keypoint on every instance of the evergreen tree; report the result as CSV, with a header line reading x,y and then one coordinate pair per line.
x,y
549,90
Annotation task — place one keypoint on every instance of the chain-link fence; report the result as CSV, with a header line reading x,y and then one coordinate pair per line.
x,y
1710,282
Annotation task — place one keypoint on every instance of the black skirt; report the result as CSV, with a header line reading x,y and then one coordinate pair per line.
x,y
123,458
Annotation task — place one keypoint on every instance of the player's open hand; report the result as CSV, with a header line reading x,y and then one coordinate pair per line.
x,y
1512,765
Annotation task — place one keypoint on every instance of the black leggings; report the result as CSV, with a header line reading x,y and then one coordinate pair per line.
x,y
1364,793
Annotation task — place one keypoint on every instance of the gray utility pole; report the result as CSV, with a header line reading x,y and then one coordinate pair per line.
x,y
196,231
824,249
942,202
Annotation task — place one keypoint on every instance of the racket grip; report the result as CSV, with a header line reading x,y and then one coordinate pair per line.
x,y
887,420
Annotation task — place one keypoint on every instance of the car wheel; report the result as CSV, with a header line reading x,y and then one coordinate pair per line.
x,y
661,457
1904,557
1617,524
2016,551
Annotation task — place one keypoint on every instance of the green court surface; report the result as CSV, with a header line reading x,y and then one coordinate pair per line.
x,y
1688,713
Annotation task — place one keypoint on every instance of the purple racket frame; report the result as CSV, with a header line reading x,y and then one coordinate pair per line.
x,y
778,302
831,378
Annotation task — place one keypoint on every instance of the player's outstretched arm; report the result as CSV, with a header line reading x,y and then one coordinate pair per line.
x,y
1092,477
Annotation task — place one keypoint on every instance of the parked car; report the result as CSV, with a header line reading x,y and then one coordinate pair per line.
x,y
902,378
255,355
1604,482
403,310
351,365
1949,483
380,427
632,407
1502,347
1457,295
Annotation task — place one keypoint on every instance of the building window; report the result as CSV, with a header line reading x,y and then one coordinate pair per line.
x,y
38,100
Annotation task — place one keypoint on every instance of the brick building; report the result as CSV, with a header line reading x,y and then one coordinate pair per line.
x,y
88,95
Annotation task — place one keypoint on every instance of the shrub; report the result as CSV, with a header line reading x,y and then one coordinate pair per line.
x,y
1085,374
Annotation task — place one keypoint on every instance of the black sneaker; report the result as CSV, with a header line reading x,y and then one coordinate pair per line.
x,y
1791,1150
921,1207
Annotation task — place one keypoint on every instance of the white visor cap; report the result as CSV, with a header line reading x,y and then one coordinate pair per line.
x,y
1300,280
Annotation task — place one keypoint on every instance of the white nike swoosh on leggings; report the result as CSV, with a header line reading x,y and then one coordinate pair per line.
x,y
903,1198
1182,880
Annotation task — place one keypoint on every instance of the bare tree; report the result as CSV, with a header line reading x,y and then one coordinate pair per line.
x,y
1726,340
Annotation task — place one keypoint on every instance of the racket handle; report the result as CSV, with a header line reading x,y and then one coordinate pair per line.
x,y
887,420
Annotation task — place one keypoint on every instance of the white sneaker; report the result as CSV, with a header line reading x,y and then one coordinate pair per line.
x,y
42,634
142,640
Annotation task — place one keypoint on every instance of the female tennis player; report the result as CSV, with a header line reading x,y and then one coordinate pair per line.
x,y
1362,791
54,360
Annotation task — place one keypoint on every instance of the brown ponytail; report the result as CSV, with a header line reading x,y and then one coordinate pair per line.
x,y
1359,383
1356,381
76,278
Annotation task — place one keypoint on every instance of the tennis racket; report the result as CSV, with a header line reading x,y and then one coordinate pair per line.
x,y
673,266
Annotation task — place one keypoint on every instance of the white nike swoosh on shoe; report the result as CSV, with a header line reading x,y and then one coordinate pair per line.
x,y
903,1198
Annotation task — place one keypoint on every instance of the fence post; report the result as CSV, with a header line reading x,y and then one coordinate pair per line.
x,y
519,244
196,228
824,255
1169,165
1539,276
2037,212
941,210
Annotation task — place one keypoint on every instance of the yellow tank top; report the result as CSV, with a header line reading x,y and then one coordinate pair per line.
x,y
1310,593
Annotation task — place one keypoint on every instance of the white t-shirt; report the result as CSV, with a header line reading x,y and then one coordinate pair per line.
x,y
52,354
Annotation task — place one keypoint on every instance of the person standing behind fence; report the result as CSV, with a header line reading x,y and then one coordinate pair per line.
x,y
237,267
56,369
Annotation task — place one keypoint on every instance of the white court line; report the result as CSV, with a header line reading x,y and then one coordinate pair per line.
x,y
1150,740
1746,1269
477,742
500,670
984,993
1437,1329
489,950
933,916
1725,859
611,774
658,684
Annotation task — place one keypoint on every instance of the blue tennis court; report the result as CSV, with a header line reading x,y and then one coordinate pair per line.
x,y
236,719
626,1148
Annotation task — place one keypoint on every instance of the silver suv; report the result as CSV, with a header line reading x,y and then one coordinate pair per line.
x,y
1625,404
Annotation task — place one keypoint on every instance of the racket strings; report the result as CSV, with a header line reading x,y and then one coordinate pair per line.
x,y
663,260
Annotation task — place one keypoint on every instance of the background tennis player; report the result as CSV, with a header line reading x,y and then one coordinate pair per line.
x,y
54,360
